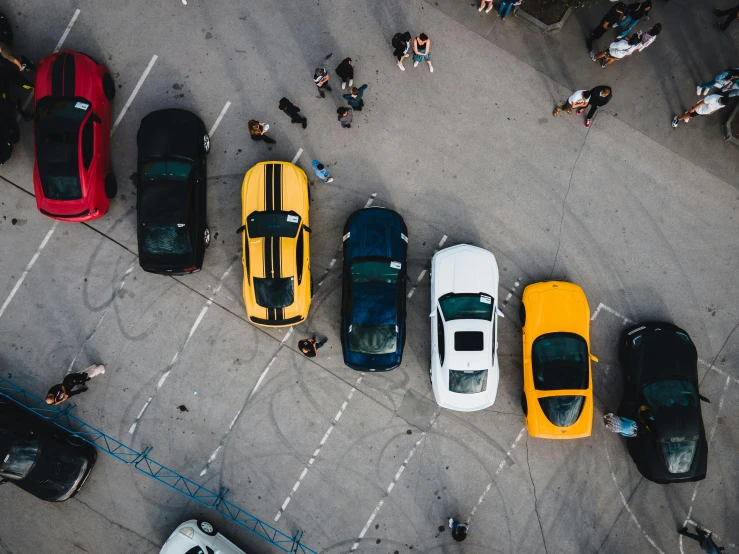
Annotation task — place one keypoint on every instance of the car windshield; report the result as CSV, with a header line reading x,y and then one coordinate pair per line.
x,y
272,224
19,460
560,362
562,411
373,339
383,271
678,453
672,393
58,122
274,293
166,239
165,169
467,306
468,382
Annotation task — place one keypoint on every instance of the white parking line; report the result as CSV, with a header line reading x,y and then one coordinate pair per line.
x,y
392,484
133,94
428,266
371,199
297,156
220,117
194,327
500,467
28,268
318,450
512,291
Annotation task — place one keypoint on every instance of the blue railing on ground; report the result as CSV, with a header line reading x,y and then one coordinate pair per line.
x,y
141,461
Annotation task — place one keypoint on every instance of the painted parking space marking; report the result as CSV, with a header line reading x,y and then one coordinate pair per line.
x,y
393,482
512,291
214,455
194,327
318,450
502,464
133,94
218,120
19,282
297,156
426,269
371,200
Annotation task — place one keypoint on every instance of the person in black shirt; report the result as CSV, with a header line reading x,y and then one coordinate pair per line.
x,y
292,110
459,530
732,13
309,347
59,393
615,15
345,70
402,44
634,13
704,539
599,96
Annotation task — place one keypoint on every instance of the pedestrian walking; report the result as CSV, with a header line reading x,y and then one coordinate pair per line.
x,y
321,172
354,98
599,97
505,8
459,530
59,393
402,44
345,116
293,111
649,36
345,70
578,100
618,50
622,425
704,539
616,14
309,347
422,51
710,104
634,13
488,3
320,78
725,81
732,15
257,130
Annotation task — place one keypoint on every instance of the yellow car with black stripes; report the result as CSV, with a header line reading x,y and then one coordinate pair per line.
x,y
276,244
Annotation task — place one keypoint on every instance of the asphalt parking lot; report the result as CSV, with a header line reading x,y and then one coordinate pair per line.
x,y
468,154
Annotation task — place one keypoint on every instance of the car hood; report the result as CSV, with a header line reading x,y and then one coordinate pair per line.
x,y
464,269
664,354
375,232
374,304
170,132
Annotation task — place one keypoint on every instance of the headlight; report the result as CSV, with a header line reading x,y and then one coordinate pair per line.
x,y
189,532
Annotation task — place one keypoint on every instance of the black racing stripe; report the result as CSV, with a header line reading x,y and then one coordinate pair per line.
x,y
280,313
268,188
268,257
57,75
69,76
278,187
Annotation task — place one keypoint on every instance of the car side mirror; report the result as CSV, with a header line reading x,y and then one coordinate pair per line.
x,y
594,358
704,398
240,229
96,119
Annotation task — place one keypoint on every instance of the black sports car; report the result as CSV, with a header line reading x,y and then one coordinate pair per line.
x,y
660,370
373,293
172,229
40,457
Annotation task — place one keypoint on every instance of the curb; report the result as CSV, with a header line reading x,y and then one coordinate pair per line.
x,y
543,27
726,127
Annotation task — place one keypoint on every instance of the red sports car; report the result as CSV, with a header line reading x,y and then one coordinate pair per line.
x,y
72,178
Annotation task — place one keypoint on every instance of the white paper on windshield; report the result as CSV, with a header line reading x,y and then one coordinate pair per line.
x,y
81,106
292,219
395,265
485,299
346,236
180,225
403,237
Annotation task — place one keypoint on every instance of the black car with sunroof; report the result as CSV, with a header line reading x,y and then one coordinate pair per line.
x,y
171,203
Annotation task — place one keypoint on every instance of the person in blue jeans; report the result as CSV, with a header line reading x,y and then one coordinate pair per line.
x,y
635,13
505,7
321,172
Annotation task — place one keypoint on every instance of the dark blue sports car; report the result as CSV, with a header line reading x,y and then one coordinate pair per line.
x,y
373,292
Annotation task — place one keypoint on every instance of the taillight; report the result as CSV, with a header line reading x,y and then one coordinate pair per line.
x,y
193,268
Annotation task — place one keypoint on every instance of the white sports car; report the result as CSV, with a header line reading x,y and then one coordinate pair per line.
x,y
198,537
464,333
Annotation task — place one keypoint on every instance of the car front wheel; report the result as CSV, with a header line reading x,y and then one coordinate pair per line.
x,y
206,237
206,143
111,186
108,87
207,528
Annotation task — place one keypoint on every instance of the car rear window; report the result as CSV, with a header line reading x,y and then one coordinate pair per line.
x,y
468,382
678,453
57,135
19,459
562,411
373,339
274,293
166,239
468,341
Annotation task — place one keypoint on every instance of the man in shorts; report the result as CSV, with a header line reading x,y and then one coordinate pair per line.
x,y
710,104
578,100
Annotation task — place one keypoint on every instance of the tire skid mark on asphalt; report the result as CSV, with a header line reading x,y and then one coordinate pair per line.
x,y
102,316
22,278
341,248
502,464
133,94
428,267
318,450
194,327
394,481
214,455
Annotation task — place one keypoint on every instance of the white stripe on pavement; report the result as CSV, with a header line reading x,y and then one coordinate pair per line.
x,y
218,121
133,94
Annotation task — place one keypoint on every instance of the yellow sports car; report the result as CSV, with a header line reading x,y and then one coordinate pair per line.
x,y
557,395
276,239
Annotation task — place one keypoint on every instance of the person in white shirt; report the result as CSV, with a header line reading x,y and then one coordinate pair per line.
x,y
617,50
710,104
577,100
648,36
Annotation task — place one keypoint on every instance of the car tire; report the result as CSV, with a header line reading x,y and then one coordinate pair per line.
x,y
111,186
108,87
522,314
207,528
311,286
524,404
206,237
206,142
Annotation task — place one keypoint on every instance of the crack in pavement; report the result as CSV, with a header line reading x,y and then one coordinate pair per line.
x,y
536,506
106,518
619,514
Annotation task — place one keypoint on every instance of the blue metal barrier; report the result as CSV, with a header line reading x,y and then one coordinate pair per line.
x,y
144,464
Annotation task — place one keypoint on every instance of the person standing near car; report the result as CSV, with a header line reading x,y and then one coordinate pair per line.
x,y
322,173
293,111
402,44
704,539
59,393
320,78
345,70
257,130
309,347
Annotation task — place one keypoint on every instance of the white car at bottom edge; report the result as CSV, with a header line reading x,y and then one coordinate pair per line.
x,y
464,331
198,537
